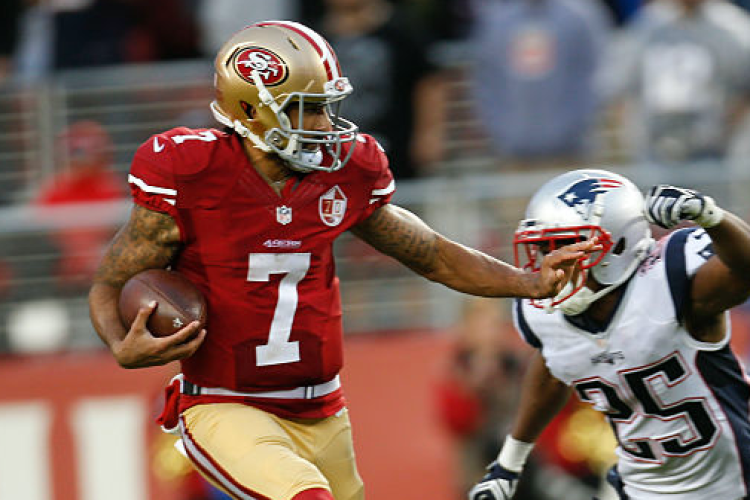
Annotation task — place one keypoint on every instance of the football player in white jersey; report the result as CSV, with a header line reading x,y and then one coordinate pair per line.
x,y
642,334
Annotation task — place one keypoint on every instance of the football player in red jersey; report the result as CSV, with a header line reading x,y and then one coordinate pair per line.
x,y
250,216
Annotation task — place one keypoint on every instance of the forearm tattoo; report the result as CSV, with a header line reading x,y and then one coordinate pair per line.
x,y
148,240
402,235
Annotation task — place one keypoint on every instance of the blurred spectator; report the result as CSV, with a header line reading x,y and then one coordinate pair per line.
x,y
738,161
399,93
536,64
117,31
575,451
166,30
623,10
86,177
91,33
446,19
10,15
476,398
65,34
479,390
683,78
220,18
32,60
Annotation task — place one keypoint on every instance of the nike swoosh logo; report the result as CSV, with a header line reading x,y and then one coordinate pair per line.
x,y
158,148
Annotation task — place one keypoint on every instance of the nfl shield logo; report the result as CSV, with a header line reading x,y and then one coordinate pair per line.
x,y
283,215
332,206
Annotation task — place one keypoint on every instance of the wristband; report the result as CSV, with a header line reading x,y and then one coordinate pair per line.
x,y
711,215
513,454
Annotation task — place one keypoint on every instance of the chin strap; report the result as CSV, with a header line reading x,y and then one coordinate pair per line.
x,y
267,100
238,127
583,298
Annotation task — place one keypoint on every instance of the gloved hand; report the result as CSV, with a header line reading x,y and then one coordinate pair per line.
x,y
498,484
667,206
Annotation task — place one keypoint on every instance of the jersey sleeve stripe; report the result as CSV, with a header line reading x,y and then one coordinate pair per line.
x,y
386,190
676,268
150,189
523,326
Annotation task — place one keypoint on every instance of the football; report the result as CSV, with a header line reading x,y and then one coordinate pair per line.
x,y
178,301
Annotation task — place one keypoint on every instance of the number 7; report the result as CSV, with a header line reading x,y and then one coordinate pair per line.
x,y
205,136
261,266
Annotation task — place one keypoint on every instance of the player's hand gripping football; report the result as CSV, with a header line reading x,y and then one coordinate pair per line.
x,y
140,349
667,206
559,265
498,484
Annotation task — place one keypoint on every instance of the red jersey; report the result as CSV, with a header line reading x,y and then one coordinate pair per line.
x,y
264,262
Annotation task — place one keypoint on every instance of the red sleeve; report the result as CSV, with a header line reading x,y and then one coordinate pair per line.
x,y
383,185
152,180
152,177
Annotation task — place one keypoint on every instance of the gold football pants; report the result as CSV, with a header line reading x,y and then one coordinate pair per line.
x,y
248,452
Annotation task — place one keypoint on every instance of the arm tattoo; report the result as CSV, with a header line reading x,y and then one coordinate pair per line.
x,y
148,240
402,235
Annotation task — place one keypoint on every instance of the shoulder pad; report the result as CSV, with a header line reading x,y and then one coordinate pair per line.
x,y
191,149
369,155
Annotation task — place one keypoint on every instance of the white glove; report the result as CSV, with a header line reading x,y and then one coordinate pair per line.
x,y
498,484
667,206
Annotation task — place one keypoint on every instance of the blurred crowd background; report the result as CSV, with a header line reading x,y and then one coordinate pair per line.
x,y
477,103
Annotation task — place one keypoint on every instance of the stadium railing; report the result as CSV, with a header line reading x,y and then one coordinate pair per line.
x,y
468,198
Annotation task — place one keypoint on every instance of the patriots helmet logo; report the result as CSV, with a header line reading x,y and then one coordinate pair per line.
x,y
581,194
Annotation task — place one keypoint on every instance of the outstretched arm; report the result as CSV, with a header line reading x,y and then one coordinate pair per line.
x,y
405,237
148,240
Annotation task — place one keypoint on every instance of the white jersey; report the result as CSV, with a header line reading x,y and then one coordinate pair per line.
x,y
678,407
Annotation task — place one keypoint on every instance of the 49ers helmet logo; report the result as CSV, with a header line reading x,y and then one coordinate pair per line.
x,y
271,68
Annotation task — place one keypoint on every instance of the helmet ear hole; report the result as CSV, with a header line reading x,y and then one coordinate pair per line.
x,y
620,247
248,109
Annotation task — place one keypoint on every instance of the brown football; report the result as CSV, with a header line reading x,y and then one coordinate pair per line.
x,y
178,301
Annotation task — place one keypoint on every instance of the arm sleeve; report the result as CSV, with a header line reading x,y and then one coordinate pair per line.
x,y
152,179
522,326
684,253
383,186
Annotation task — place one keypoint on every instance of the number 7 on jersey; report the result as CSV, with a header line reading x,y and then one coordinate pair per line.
x,y
294,266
